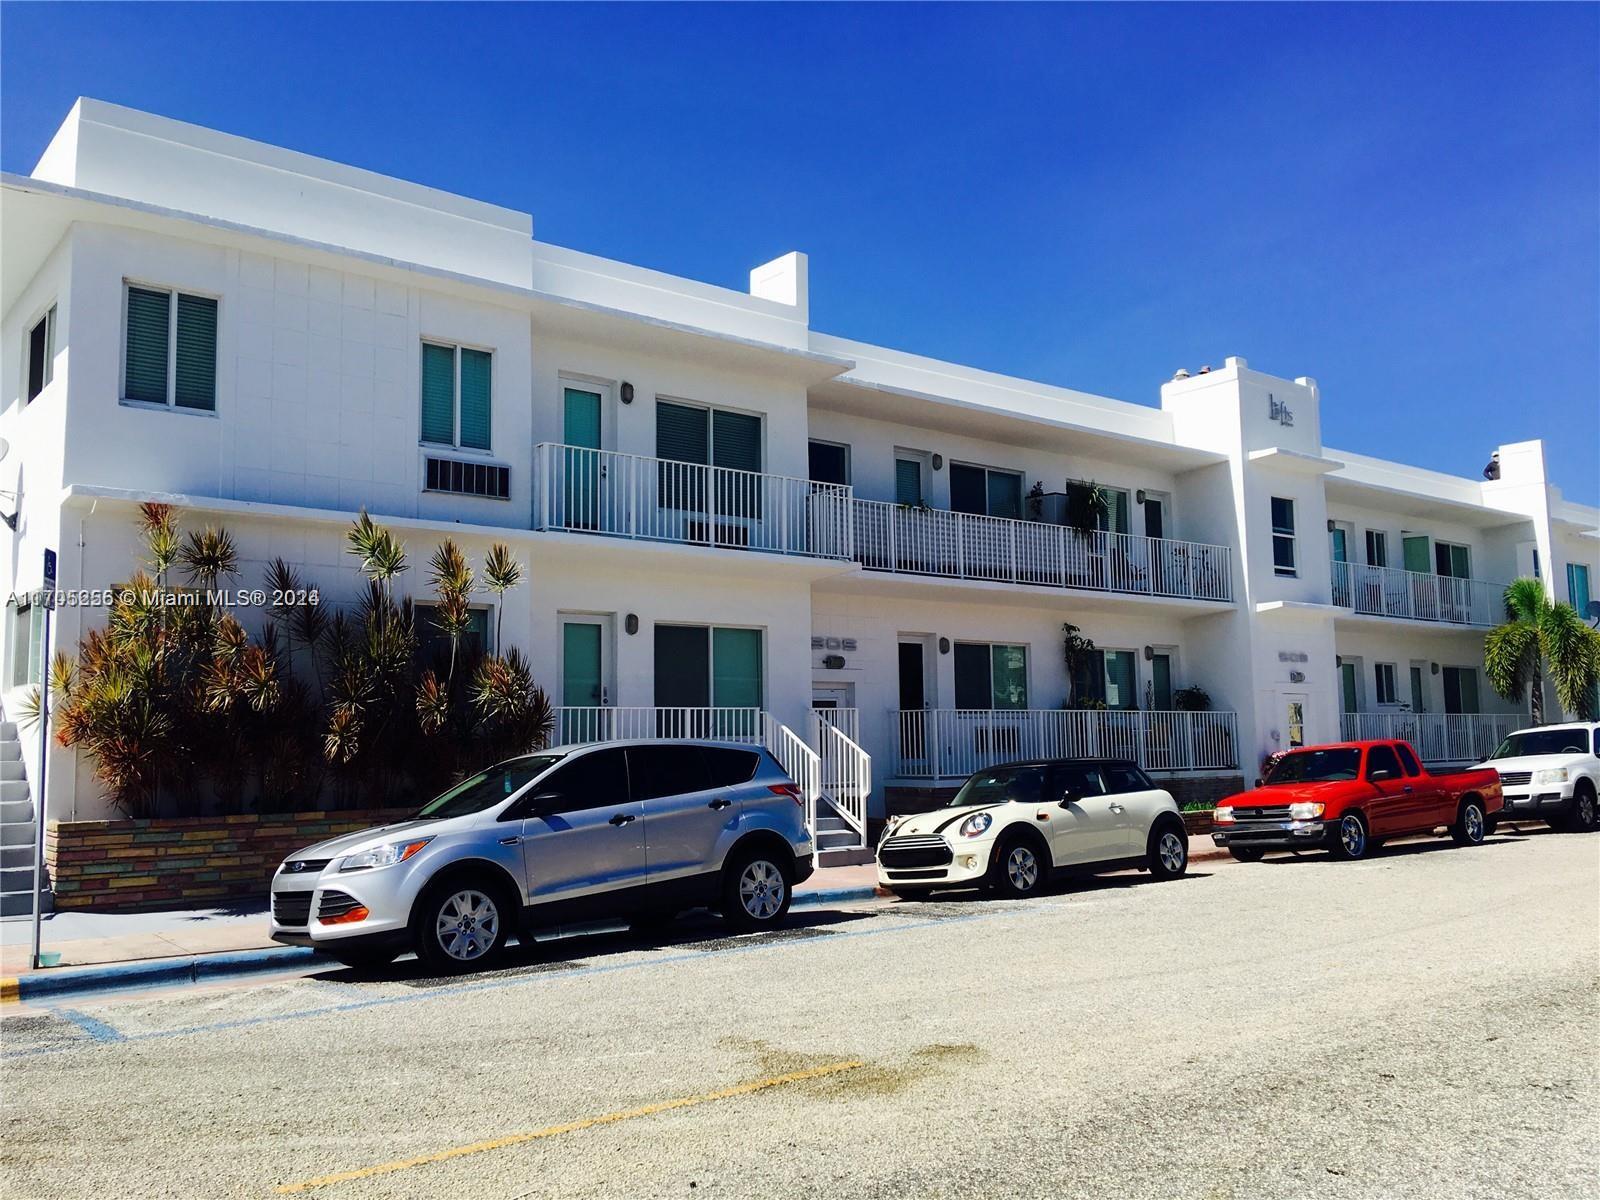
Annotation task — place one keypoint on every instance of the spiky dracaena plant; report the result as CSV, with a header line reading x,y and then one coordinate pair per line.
x,y
515,713
453,582
158,524
207,556
1537,636
501,573
383,557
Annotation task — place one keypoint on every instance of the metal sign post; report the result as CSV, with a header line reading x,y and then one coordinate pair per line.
x,y
48,601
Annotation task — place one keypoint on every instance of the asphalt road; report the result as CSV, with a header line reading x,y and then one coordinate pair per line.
x,y
1423,1024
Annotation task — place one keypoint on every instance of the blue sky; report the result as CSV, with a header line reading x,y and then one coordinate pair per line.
x,y
1403,202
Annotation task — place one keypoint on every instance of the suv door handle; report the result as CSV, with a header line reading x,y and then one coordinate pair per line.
x,y
511,841
720,803
621,818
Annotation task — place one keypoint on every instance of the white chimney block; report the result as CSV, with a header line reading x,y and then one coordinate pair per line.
x,y
785,280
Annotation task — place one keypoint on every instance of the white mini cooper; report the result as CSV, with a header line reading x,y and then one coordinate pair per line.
x,y
1010,826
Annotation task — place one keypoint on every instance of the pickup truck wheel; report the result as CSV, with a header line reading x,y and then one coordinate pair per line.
x,y
1168,852
1244,854
1583,816
1469,827
1350,837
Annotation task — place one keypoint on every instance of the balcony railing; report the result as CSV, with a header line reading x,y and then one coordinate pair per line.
x,y
923,541
953,743
656,499
1437,737
1416,595
607,724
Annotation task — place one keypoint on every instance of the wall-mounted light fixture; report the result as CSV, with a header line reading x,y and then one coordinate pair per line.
x,y
944,645
1149,653
630,624
1332,525
1139,496
938,461
627,392
1433,668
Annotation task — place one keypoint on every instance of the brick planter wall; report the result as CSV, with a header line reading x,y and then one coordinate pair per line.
x,y
180,862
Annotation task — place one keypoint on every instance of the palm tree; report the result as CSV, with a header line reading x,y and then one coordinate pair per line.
x,y
1539,635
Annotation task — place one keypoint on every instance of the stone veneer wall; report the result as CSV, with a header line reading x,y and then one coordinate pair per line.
x,y
181,862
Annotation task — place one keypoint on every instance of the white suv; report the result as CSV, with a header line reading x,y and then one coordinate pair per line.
x,y
1551,772
1010,826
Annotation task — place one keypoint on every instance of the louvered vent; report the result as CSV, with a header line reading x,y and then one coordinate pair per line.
x,y
468,478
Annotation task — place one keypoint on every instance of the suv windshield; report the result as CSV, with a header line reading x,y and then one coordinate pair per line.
x,y
1015,785
1544,741
1316,766
488,788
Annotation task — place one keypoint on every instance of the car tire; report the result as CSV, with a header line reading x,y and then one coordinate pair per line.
x,y
1470,825
1020,869
1583,817
1167,850
1349,837
757,888
1245,854
364,958
461,923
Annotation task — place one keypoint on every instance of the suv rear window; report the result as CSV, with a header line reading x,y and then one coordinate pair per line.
x,y
730,767
656,771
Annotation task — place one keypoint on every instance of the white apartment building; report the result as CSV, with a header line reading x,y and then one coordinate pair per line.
x,y
730,522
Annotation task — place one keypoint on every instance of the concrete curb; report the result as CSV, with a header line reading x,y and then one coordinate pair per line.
x,y
191,969
834,896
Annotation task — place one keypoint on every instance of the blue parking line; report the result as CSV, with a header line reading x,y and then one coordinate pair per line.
x,y
771,945
96,1029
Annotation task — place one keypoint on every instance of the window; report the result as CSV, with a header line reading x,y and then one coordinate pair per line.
x,y
1419,693
1283,536
1377,548
433,643
656,771
488,788
1382,759
1108,676
1452,560
1460,690
698,666
1348,695
42,353
1080,781
991,676
1578,587
1384,685
1316,766
830,462
595,780
456,385
729,768
714,437
1114,517
25,643
1408,760
908,480
985,492
170,353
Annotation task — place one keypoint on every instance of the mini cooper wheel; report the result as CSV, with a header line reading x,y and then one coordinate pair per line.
x,y
755,891
1245,854
1471,826
461,925
1018,869
1168,852
1350,837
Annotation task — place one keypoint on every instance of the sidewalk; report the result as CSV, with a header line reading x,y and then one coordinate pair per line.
x,y
92,938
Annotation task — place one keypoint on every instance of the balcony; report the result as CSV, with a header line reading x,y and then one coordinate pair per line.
x,y
953,743
1437,737
952,545
1416,595
578,490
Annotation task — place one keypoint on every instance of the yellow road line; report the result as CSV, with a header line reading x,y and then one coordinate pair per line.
x,y
517,1139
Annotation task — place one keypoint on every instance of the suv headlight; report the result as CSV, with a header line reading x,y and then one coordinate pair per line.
x,y
1552,775
1304,811
382,856
976,825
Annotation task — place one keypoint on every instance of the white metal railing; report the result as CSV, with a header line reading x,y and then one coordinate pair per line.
x,y
1392,592
952,743
606,724
846,778
1437,737
931,541
657,499
803,764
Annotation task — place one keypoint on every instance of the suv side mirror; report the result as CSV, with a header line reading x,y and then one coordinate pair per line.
x,y
533,806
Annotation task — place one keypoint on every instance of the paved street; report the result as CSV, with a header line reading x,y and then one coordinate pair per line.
x,y
1422,1024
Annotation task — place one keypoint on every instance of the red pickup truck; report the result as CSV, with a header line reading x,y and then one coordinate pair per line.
x,y
1349,797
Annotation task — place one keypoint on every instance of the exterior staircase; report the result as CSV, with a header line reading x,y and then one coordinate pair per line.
x,y
16,829
845,782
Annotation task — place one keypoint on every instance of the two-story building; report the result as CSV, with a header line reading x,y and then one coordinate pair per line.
x,y
731,524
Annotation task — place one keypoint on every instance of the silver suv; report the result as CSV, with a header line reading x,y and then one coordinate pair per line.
x,y
643,830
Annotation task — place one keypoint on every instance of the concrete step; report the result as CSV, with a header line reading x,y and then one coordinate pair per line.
x,y
16,833
13,790
12,768
9,731
15,855
829,824
10,751
16,812
837,839
16,879
843,858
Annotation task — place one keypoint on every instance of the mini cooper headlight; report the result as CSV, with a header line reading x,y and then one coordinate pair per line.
x,y
1222,815
976,824
1304,811
382,856
1552,775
